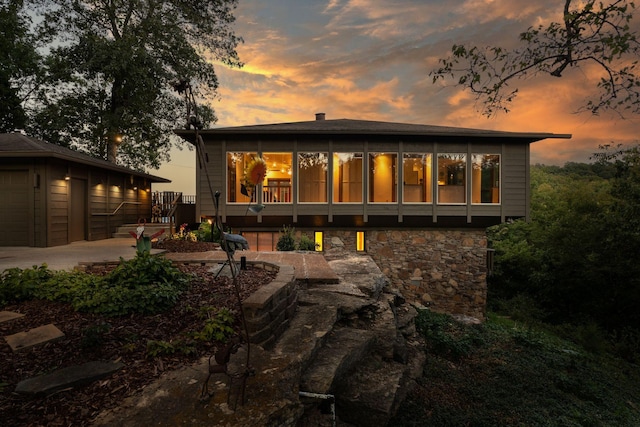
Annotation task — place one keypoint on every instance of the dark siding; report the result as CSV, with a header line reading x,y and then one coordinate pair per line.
x,y
515,180
14,209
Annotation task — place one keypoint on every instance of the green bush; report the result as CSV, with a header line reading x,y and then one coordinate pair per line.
x,y
164,348
306,244
20,285
286,242
146,284
218,327
447,337
208,233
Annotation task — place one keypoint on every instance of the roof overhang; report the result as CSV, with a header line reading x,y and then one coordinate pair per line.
x,y
367,128
22,146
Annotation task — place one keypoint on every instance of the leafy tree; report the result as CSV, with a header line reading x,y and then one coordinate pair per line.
x,y
19,65
113,69
590,33
576,258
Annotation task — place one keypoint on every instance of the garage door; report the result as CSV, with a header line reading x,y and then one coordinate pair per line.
x,y
14,207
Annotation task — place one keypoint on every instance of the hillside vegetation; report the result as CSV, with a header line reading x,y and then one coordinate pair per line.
x,y
505,373
561,346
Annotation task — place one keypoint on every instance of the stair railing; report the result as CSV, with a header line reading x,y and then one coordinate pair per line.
x,y
117,209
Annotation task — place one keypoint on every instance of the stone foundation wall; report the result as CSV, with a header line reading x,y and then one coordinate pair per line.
x,y
444,270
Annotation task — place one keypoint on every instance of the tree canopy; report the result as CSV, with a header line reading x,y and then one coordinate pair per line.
x,y
590,33
19,65
112,68
575,260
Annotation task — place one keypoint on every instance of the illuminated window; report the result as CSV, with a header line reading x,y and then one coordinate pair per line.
x,y
416,177
347,177
312,177
485,178
452,170
236,164
360,241
318,238
276,187
383,177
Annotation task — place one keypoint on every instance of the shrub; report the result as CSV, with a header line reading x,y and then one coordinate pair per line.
x,y
286,242
164,348
20,285
204,232
146,285
306,244
218,327
446,337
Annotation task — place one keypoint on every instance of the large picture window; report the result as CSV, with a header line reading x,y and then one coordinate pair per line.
x,y
383,177
452,170
312,177
485,178
276,187
417,178
347,177
236,165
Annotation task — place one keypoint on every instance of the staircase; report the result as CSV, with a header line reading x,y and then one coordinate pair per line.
x,y
149,229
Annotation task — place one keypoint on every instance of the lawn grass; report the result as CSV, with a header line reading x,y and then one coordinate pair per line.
x,y
505,374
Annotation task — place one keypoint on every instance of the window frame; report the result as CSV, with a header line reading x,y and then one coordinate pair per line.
x,y
239,177
362,178
371,157
427,188
465,187
499,180
328,182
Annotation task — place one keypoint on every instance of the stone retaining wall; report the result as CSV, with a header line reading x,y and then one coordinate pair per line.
x,y
441,269
267,311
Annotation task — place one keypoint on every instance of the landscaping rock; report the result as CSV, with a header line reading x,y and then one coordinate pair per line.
x,y
26,339
73,376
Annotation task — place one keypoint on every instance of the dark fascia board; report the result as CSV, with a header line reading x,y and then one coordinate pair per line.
x,y
367,128
27,147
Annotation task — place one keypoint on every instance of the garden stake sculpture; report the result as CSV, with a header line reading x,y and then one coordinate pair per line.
x,y
230,242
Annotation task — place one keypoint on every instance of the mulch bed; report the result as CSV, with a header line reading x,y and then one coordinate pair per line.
x,y
91,337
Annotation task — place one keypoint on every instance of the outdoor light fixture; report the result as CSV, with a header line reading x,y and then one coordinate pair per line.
x,y
255,209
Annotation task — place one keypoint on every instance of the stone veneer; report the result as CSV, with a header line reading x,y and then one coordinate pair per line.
x,y
444,270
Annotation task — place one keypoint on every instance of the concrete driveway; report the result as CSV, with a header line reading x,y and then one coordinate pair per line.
x,y
66,257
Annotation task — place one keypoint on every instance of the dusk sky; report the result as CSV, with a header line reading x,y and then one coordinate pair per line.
x,y
370,60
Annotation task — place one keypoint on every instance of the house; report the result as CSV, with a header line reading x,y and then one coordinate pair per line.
x,y
52,195
417,198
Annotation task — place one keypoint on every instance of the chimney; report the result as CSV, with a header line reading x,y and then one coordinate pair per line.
x,y
320,116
